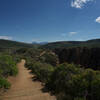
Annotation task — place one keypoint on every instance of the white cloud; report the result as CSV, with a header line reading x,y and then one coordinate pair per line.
x,y
6,37
72,33
79,3
98,20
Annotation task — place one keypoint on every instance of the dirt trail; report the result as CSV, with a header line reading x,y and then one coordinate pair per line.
x,y
23,88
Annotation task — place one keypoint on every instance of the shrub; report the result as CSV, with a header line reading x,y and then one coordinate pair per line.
x,y
61,76
49,58
7,65
42,71
4,83
68,81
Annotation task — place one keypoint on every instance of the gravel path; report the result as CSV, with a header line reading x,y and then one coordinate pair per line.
x,y
23,88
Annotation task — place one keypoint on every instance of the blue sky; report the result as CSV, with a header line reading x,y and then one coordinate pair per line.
x,y
49,20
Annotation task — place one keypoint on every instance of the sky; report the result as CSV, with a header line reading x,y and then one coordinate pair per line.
x,y
49,20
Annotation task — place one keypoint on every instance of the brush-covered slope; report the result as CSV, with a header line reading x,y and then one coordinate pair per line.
x,y
70,44
13,44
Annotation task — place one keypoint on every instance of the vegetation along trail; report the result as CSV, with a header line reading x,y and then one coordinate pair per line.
x,y
23,88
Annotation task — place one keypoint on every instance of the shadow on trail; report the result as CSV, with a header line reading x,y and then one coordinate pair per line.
x,y
44,89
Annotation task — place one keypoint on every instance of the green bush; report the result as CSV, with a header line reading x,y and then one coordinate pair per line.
x,y
7,65
61,77
4,83
42,71
49,58
68,81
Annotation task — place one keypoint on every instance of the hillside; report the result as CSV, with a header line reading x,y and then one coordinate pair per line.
x,y
71,44
4,44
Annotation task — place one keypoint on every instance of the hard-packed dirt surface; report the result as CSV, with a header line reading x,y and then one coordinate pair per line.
x,y
23,88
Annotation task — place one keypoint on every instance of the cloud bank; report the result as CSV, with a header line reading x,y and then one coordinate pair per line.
x,y
6,37
79,3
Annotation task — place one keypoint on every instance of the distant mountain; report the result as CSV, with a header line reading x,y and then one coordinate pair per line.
x,y
71,44
40,43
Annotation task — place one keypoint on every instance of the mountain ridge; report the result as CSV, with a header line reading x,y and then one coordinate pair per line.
x,y
50,45
13,44
70,44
